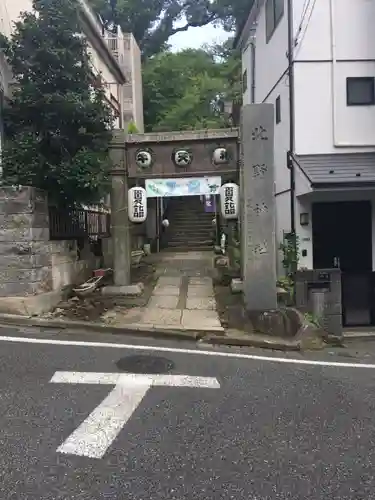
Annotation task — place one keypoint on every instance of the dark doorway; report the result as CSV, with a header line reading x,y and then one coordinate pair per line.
x,y
342,238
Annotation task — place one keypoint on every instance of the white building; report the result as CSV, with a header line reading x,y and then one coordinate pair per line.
x,y
325,116
125,48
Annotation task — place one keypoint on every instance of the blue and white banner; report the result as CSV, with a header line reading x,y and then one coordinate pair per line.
x,y
183,186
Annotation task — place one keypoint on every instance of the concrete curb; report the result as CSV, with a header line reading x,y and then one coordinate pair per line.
x,y
131,329
348,336
153,331
278,344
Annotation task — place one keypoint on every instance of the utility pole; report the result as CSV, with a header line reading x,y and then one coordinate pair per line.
x,y
290,153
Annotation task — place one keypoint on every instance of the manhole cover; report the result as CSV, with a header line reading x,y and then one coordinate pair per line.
x,y
145,364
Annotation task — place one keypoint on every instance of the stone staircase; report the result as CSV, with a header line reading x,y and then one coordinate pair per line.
x,y
190,227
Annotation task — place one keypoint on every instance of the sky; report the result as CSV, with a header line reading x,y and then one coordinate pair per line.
x,y
196,37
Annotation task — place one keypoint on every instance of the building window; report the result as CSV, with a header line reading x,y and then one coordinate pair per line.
x,y
278,110
244,81
274,13
360,91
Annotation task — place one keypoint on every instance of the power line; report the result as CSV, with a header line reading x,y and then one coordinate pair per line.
x,y
306,27
303,15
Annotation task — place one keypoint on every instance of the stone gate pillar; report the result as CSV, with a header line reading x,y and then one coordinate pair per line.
x,y
120,225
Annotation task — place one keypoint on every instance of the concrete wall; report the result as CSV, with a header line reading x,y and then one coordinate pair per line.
x,y
67,269
307,282
133,101
246,70
30,264
324,122
271,82
113,88
5,74
268,75
128,55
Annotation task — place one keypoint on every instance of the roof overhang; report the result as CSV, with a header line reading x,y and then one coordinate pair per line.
x,y
337,171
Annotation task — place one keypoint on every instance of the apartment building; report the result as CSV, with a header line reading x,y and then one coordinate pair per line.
x,y
323,91
125,48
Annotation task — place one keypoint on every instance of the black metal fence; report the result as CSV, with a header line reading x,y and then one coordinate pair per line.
x,y
74,224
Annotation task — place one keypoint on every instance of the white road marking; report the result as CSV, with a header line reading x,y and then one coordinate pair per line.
x,y
233,355
94,436
133,378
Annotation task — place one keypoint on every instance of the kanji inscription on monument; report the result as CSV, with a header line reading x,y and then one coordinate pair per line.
x,y
258,228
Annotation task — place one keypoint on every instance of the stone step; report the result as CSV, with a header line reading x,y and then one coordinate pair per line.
x,y
189,243
189,224
190,227
188,248
190,232
191,214
188,217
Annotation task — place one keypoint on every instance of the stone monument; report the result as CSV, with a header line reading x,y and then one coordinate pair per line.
x,y
258,208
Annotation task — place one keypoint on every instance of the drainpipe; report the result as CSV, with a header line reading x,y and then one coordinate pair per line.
x,y
333,73
290,153
252,44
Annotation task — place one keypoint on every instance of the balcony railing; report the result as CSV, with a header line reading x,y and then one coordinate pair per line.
x,y
114,45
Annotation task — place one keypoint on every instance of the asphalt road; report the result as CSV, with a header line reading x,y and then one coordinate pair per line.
x,y
253,429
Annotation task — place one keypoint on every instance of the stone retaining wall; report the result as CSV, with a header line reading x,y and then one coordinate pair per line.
x,y
33,269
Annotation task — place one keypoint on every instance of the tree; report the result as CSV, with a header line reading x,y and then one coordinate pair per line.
x,y
153,22
230,68
57,124
182,91
187,89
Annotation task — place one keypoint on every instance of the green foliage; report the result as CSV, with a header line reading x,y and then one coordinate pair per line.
x,y
153,22
57,124
313,319
132,128
230,68
186,90
287,284
290,250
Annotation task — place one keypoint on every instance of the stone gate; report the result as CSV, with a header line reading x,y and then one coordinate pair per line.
x,y
161,155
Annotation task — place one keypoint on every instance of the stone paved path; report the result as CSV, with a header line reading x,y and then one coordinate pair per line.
x,y
183,297
182,302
